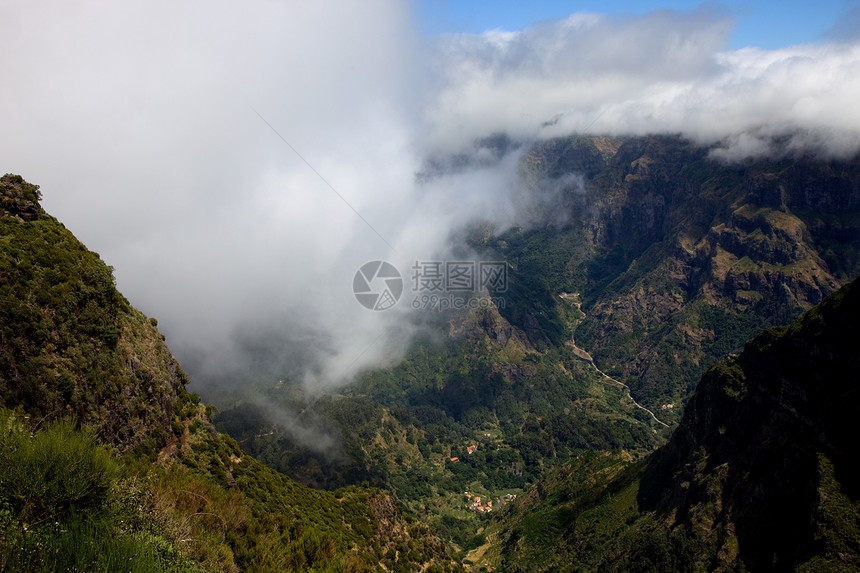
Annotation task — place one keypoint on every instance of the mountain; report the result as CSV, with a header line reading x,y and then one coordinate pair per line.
x,y
640,263
678,258
70,342
108,463
760,475
482,412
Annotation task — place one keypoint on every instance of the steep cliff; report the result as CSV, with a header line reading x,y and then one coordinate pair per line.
x,y
679,258
764,459
69,342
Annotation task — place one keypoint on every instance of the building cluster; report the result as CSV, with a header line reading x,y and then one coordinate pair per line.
x,y
667,407
470,449
475,503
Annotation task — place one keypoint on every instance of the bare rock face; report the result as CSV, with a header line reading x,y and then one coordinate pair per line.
x,y
19,198
694,256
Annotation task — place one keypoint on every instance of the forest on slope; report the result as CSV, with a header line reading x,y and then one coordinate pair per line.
x,y
760,475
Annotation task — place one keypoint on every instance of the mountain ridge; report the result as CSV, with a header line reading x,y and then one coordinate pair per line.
x,y
680,258
810,410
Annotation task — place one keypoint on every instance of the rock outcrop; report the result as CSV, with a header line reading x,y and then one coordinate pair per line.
x,y
680,258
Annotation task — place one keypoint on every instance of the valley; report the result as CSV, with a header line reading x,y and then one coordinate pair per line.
x,y
566,429
429,286
582,354
759,475
676,260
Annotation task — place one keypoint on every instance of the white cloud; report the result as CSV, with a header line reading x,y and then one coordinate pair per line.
x,y
139,121
664,72
575,69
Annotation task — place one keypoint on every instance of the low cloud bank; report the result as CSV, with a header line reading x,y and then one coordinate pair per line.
x,y
166,136
664,72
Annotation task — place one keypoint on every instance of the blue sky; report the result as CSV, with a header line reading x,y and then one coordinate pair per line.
x,y
768,25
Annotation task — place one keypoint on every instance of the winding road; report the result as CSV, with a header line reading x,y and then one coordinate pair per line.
x,y
583,355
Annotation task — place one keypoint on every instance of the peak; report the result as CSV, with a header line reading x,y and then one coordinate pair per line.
x,y
19,198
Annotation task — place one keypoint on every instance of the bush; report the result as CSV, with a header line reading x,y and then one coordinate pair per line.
x,y
85,542
46,475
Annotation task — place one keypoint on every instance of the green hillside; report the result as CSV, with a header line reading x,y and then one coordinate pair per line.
x,y
108,463
650,265
409,428
679,259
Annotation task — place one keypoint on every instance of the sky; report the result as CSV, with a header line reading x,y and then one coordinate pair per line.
x,y
762,24
237,165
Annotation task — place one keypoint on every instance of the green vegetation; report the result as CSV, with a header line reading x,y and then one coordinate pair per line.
x,y
60,508
677,261
538,272
658,266
107,463
54,472
399,428
838,518
67,337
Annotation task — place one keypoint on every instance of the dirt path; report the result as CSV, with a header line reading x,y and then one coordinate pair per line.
x,y
583,355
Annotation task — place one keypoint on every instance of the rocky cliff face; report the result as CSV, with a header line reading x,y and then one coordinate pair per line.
x,y
681,258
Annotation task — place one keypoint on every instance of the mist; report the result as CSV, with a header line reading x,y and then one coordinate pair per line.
x,y
238,165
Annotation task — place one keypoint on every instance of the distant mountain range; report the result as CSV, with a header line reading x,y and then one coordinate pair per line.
x,y
576,406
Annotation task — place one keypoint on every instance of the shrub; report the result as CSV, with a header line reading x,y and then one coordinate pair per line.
x,y
55,471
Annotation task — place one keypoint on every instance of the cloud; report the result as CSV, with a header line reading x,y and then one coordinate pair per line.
x,y
662,72
567,70
140,122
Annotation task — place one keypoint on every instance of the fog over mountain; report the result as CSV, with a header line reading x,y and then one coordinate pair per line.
x,y
167,136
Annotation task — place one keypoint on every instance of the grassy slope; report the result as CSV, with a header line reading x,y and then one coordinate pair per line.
x,y
72,347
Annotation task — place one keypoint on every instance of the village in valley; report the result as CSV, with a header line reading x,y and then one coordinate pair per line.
x,y
487,506
476,502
